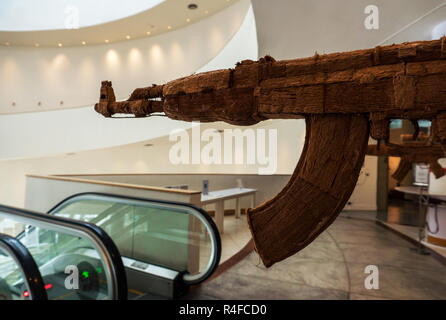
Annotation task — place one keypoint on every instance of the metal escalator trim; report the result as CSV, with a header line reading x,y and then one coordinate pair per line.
x,y
201,214
115,272
27,265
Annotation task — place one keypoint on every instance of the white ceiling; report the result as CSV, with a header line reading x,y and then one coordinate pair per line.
x,y
31,15
299,28
164,17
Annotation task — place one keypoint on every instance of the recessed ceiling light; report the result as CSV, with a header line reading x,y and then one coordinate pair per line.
x,y
36,45
106,41
59,44
127,37
206,12
148,33
169,27
84,43
7,43
192,6
187,20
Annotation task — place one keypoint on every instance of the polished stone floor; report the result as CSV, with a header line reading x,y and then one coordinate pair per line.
x,y
403,212
235,237
333,267
414,234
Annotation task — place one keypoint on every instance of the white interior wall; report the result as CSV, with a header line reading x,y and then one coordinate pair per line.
x,y
267,186
58,190
136,159
74,130
73,75
291,29
31,15
288,29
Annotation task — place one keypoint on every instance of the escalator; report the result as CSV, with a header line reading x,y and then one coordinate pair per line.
x,y
163,247
20,278
58,259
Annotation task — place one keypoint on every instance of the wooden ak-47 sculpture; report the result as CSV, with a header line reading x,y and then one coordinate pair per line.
x,y
343,97
411,152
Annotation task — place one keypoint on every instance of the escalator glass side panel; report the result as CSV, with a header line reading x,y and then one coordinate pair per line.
x,y
20,278
77,260
173,235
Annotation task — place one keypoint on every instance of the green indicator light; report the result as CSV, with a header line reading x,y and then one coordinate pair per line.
x,y
86,274
99,270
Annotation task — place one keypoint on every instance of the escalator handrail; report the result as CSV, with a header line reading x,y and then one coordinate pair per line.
x,y
215,234
117,288
27,265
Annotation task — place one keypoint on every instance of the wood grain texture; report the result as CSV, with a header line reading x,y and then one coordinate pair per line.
x,y
403,81
411,153
341,95
321,184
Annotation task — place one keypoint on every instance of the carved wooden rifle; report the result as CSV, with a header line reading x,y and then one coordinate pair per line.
x,y
344,98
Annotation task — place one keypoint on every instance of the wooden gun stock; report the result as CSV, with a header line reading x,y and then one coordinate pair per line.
x,y
342,96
